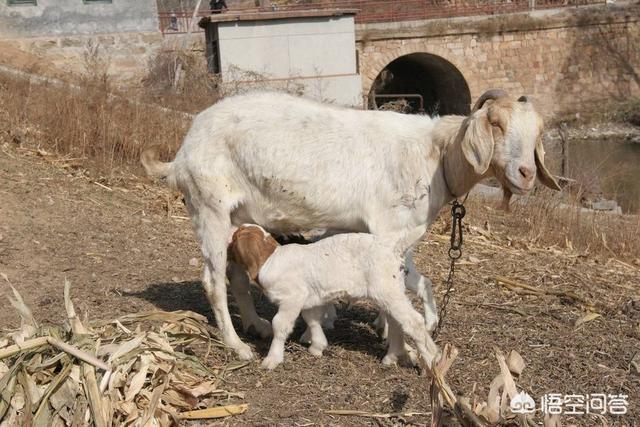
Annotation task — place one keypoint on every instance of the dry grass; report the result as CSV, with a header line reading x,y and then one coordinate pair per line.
x,y
553,220
87,123
96,124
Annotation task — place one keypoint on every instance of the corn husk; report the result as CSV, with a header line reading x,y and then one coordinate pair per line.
x,y
496,410
134,371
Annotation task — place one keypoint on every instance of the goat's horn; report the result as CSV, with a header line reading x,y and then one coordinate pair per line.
x,y
490,94
523,98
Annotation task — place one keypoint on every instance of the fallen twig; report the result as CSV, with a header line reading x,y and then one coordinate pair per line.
x,y
217,412
513,285
103,186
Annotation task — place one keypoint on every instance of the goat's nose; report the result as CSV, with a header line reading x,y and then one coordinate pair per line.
x,y
526,173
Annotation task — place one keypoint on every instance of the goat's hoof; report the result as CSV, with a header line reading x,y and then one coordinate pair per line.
x,y
391,359
328,324
431,323
262,327
306,336
270,363
244,352
317,350
409,358
381,326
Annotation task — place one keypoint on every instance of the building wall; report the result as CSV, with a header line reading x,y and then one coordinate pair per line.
x,y
125,56
319,54
580,60
72,35
76,17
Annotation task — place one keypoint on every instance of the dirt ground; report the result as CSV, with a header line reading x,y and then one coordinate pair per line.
x,y
123,252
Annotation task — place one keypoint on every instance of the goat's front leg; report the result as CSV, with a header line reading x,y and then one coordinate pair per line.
x,y
412,323
398,349
423,287
283,323
241,289
212,230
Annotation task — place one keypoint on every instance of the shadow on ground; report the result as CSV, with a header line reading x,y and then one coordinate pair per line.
x,y
353,330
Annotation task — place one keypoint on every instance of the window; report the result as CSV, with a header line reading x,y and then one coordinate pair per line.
x,y
13,2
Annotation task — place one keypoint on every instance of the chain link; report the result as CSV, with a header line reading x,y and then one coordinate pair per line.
x,y
455,252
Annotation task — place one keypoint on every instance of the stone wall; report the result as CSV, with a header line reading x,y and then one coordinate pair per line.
x,y
125,56
570,61
71,35
67,17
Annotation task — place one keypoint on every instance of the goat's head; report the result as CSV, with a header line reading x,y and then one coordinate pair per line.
x,y
250,247
505,136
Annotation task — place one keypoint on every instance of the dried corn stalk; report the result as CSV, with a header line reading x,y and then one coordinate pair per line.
x,y
136,370
496,411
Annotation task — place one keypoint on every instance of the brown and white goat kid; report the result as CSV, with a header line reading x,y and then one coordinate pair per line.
x,y
303,278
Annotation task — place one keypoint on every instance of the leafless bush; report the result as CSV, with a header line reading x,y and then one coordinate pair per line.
x,y
96,65
239,81
399,106
195,89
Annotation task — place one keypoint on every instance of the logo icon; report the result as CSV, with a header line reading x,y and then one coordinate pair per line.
x,y
523,403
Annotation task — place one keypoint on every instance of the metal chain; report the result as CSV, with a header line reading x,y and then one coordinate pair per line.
x,y
455,252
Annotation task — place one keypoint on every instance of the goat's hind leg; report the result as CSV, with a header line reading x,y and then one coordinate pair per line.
x,y
328,317
241,290
313,317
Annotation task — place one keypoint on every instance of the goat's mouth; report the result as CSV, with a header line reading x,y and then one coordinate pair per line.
x,y
517,189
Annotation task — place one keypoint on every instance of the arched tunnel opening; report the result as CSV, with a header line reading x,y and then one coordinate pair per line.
x,y
439,83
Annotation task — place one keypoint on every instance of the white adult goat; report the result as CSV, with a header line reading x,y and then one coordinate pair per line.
x,y
291,164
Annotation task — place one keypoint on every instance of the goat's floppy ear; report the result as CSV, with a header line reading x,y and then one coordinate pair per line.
x,y
477,141
544,175
251,249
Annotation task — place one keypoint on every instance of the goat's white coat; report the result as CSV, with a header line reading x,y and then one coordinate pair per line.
x,y
291,164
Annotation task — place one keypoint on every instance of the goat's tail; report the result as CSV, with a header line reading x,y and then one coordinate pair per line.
x,y
157,169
